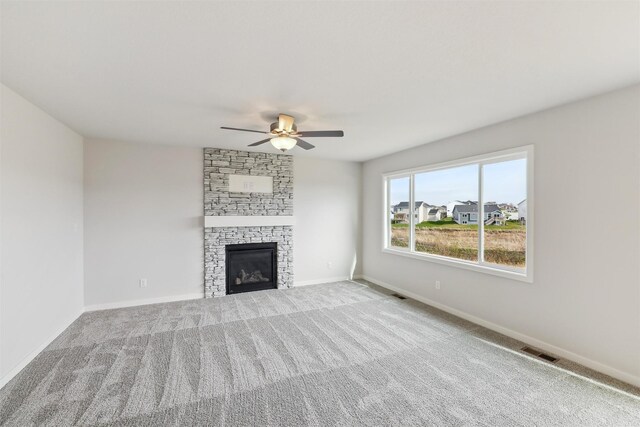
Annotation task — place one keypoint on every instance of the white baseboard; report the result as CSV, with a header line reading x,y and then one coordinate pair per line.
x,y
24,362
123,304
320,281
555,350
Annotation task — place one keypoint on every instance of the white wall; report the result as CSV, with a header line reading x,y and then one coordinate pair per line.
x,y
586,296
41,290
327,210
143,219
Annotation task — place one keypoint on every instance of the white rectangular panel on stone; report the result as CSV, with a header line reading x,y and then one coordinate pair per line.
x,y
250,184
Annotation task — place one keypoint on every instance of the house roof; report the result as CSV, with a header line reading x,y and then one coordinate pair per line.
x,y
404,205
474,208
433,211
463,202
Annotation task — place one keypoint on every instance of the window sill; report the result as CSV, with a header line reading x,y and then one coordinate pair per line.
x,y
522,277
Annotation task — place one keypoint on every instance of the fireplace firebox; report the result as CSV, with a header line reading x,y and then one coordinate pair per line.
x,y
251,267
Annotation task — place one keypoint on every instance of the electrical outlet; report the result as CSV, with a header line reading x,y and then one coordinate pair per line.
x,y
143,283
329,265
438,284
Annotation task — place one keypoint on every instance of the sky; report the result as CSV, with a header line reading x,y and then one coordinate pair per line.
x,y
504,182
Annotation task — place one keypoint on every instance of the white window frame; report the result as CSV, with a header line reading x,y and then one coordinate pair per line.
x,y
521,274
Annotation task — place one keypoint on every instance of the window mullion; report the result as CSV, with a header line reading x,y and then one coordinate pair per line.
x,y
412,213
388,216
480,215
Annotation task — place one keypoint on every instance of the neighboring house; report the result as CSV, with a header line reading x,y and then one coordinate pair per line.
x,y
468,214
522,211
455,203
400,217
511,216
452,205
507,207
394,216
420,212
435,214
510,211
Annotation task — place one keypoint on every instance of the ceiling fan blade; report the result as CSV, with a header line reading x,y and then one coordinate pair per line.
x,y
285,122
304,144
259,142
243,130
321,133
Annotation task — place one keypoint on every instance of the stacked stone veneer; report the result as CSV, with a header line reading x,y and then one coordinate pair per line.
x,y
218,201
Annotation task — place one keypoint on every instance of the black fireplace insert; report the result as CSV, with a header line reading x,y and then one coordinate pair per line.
x,y
251,267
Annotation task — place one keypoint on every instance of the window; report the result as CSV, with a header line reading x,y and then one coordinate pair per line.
x,y
474,213
439,189
504,237
399,212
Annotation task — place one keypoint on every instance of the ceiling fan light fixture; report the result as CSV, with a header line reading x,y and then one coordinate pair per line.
x,y
284,135
283,143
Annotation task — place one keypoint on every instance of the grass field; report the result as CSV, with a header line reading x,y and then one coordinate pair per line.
x,y
504,244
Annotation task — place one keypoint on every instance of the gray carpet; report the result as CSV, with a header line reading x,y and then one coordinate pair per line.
x,y
336,354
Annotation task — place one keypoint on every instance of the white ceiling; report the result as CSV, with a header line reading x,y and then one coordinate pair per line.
x,y
392,75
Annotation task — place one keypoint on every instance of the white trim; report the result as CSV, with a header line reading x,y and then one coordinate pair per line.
x,y
467,265
558,351
493,157
29,358
123,304
529,259
321,281
248,221
386,221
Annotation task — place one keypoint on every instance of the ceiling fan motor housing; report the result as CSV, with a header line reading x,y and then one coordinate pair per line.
x,y
275,129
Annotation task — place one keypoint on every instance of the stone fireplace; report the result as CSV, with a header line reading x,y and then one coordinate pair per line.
x,y
246,217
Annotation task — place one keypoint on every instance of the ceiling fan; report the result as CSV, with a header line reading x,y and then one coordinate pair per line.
x,y
284,134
